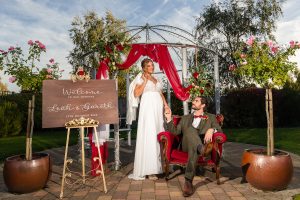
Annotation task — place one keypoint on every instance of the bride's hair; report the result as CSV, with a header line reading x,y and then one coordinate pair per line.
x,y
145,61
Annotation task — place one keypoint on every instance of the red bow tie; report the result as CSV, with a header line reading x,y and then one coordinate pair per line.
x,y
200,116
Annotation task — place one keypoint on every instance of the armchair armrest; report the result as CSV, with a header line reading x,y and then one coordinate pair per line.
x,y
166,139
219,137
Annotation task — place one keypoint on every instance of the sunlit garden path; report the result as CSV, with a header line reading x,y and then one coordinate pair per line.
x,y
120,187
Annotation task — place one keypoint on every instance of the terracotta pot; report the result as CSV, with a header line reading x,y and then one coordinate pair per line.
x,y
24,176
267,172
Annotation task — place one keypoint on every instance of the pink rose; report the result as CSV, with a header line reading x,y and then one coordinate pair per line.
x,y
30,42
49,76
250,41
274,49
49,70
12,79
11,48
270,43
51,60
42,46
231,67
243,55
292,44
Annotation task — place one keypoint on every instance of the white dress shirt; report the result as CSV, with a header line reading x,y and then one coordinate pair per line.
x,y
196,122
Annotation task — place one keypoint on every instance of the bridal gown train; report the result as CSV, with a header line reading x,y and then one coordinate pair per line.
x,y
147,160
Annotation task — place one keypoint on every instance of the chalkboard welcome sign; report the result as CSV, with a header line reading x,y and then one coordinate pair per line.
x,y
64,100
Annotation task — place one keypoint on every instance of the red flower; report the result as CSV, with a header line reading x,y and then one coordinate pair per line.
x,y
231,67
201,91
11,48
292,44
195,75
189,88
274,49
30,42
119,47
51,60
42,46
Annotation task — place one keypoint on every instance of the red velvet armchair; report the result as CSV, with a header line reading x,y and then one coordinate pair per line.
x,y
171,155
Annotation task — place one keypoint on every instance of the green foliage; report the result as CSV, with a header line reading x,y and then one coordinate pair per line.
x,y
222,26
265,63
10,119
25,71
244,108
96,39
21,99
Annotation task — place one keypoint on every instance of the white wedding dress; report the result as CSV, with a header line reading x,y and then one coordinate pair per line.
x,y
147,160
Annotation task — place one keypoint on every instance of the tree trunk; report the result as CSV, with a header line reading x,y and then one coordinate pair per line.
x,y
271,122
268,121
28,129
30,124
270,130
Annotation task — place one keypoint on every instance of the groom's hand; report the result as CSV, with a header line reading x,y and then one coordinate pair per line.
x,y
168,114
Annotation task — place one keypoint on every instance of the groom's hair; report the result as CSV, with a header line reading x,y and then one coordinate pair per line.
x,y
145,61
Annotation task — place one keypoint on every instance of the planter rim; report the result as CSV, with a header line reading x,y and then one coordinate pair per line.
x,y
251,151
13,158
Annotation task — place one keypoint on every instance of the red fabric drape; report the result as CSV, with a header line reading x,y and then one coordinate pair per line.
x,y
158,53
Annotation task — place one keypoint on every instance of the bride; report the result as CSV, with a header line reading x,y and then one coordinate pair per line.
x,y
147,160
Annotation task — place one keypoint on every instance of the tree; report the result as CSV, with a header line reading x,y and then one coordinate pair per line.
x,y
29,76
267,65
96,39
223,26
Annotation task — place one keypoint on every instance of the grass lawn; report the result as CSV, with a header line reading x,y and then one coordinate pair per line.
x,y
296,197
285,138
40,141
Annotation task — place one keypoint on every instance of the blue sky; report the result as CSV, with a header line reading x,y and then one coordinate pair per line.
x,y
49,21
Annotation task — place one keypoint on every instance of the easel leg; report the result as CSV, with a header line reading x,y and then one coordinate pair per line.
x,y
65,164
82,153
100,160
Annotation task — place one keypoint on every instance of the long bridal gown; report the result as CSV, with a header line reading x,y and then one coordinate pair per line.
x,y
147,160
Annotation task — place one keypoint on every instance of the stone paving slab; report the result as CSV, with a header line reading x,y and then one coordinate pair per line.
x,y
120,187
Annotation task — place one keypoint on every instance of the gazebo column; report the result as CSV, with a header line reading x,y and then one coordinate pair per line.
x,y
184,77
217,84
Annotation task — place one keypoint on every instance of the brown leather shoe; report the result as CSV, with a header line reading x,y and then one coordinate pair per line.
x,y
188,188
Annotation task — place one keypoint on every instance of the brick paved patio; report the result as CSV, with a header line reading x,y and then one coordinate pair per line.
x,y
120,187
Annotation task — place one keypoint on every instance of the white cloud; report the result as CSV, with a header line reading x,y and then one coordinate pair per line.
x,y
50,20
288,27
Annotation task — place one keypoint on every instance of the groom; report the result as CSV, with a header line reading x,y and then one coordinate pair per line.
x,y
193,126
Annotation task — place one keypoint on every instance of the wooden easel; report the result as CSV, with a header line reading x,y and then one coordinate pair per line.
x,y
66,161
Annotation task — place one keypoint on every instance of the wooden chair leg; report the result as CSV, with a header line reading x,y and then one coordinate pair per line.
x,y
167,170
217,169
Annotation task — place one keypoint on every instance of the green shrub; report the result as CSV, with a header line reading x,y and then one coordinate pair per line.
x,y
10,119
21,99
245,108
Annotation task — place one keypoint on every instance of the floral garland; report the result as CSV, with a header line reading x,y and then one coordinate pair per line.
x,y
111,49
200,83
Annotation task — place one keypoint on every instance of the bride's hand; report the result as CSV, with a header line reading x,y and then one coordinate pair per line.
x,y
144,78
